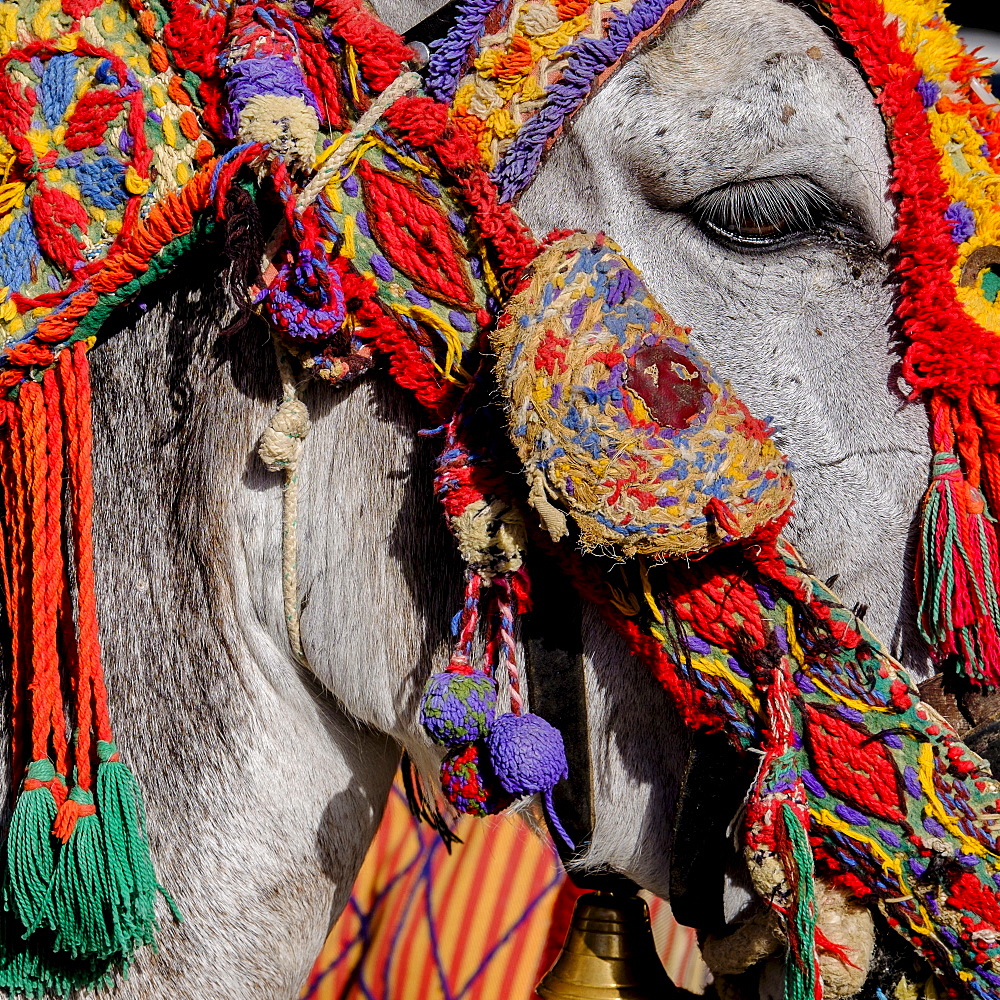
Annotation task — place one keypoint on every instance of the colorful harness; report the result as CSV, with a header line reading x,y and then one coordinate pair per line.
x,y
131,134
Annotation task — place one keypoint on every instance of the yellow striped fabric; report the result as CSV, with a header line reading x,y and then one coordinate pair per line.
x,y
423,925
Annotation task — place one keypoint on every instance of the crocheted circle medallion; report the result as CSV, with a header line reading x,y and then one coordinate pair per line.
x,y
615,416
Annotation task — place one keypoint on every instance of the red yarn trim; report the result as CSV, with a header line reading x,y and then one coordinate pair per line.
x,y
48,721
15,567
423,123
92,699
381,52
948,350
127,259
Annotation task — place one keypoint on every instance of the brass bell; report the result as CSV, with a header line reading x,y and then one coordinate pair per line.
x,y
609,954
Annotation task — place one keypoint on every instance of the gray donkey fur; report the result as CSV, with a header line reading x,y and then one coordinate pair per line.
x,y
264,782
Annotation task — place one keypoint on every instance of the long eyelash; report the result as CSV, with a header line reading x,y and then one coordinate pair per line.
x,y
789,204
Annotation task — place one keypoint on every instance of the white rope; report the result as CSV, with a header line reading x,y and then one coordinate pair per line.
x,y
280,449
405,83
281,443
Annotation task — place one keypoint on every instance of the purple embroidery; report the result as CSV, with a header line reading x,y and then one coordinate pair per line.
x,y
849,815
266,75
934,828
459,321
889,837
382,267
929,92
590,58
765,596
623,285
815,788
697,645
448,54
851,714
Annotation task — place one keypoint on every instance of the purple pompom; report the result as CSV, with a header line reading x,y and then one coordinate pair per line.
x,y
527,753
458,708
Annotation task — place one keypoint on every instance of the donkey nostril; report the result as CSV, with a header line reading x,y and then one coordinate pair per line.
x,y
668,383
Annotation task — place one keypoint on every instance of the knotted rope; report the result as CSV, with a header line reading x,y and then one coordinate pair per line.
x,y
281,444
280,450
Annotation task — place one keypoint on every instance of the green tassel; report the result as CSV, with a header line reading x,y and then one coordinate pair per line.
x,y
33,969
31,848
130,868
80,908
957,569
800,968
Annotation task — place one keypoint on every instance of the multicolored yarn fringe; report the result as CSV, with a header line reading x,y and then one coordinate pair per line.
x,y
127,136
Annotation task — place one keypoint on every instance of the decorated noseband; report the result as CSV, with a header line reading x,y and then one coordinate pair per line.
x,y
617,419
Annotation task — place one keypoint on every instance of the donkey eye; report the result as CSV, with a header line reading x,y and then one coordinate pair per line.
x,y
765,213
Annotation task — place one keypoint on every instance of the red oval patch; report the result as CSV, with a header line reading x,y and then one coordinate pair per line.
x,y
668,383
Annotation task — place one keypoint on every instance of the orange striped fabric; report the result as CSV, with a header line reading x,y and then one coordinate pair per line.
x,y
423,925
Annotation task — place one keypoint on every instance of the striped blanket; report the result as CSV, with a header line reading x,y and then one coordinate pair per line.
x,y
474,925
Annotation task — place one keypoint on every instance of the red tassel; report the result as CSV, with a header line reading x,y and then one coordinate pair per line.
x,y
958,566
47,575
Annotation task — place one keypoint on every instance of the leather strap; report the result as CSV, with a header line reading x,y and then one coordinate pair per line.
x,y
965,706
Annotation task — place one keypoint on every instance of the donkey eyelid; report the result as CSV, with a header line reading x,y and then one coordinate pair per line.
x,y
766,213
